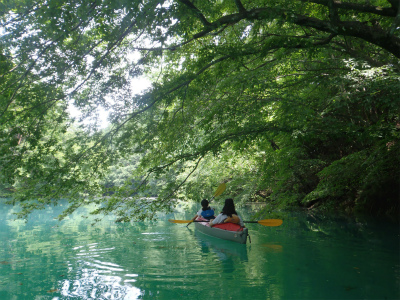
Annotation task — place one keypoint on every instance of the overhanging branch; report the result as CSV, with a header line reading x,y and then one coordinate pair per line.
x,y
377,10
196,11
371,34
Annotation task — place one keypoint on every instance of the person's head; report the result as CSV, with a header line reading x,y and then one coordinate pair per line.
x,y
204,204
229,208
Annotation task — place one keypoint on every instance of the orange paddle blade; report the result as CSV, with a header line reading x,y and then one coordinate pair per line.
x,y
179,221
270,222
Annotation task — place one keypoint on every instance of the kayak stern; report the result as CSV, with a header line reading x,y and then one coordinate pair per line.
x,y
234,236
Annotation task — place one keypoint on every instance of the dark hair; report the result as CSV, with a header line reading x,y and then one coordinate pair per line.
x,y
204,204
229,208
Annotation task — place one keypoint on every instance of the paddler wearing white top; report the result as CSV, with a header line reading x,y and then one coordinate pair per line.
x,y
228,215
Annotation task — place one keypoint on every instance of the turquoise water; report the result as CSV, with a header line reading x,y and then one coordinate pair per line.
x,y
308,257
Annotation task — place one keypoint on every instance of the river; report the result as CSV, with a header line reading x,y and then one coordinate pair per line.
x,y
311,256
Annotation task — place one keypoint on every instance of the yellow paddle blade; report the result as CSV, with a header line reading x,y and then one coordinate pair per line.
x,y
220,189
270,222
179,221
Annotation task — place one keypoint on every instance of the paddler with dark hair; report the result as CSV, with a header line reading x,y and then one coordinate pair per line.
x,y
205,212
227,215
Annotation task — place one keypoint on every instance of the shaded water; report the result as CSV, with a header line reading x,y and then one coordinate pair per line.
x,y
308,257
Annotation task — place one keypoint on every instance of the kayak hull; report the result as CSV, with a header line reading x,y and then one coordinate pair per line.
x,y
234,236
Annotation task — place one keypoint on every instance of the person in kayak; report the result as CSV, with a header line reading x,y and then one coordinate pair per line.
x,y
205,212
227,215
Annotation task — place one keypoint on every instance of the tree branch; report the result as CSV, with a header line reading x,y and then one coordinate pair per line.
x,y
196,11
372,34
396,22
178,187
359,54
240,6
333,13
395,4
377,10
325,41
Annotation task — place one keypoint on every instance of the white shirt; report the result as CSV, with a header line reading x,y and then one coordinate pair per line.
x,y
222,217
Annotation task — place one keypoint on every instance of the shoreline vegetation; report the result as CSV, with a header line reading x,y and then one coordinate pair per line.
x,y
268,209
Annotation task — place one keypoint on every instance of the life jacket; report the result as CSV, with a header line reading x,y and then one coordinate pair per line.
x,y
208,214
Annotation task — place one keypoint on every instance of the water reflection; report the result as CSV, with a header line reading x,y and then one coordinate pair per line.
x,y
308,257
92,285
224,250
93,277
272,247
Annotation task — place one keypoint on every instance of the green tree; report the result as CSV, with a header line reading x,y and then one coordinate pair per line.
x,y
287,87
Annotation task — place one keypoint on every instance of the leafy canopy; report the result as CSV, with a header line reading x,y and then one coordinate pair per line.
x,y
264,94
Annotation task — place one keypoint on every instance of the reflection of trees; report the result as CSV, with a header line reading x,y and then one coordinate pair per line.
x,y
83,261
69,257
75,258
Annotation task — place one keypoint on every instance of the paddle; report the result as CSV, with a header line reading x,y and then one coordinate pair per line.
x,y
266,222
218,192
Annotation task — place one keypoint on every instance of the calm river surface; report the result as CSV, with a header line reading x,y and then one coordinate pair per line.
x,y
308,257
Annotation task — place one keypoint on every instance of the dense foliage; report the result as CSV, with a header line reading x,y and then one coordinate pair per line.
x,y
292,102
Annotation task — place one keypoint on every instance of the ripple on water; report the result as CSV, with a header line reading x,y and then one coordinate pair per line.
x,y
162,261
